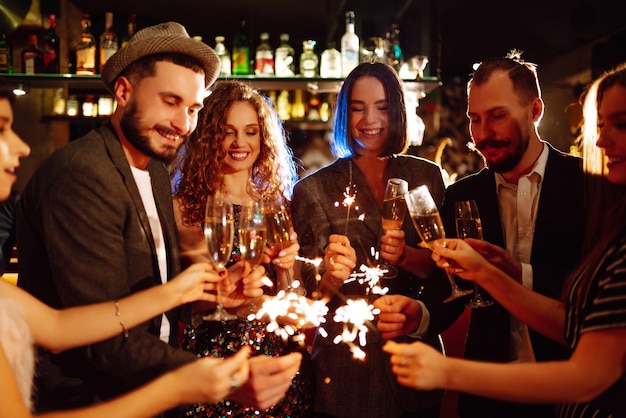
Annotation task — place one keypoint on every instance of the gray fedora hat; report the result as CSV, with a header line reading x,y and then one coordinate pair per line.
x,y
164,37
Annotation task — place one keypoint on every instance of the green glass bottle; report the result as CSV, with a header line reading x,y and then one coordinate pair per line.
x,y
241,51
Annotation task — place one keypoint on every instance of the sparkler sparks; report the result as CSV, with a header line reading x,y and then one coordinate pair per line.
x,y
347,202
355,315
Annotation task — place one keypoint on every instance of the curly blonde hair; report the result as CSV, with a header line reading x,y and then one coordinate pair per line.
x,y
197,171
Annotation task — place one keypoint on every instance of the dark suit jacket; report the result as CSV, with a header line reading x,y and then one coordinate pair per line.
x,y
555,252
84,237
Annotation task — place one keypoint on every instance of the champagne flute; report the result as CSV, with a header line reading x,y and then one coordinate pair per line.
x,y
219,233
278,223
394,211
468,225
252,239
427,222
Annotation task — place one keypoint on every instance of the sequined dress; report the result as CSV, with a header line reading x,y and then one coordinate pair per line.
x,y
222,339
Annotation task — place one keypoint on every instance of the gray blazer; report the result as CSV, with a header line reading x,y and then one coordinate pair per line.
x,y
84,237
346,387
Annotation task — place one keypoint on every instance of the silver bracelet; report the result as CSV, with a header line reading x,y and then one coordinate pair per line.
x,y
119,315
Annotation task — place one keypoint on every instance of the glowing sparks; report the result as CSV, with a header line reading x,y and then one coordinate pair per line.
x,y
355,315
370,276
347,202
287,314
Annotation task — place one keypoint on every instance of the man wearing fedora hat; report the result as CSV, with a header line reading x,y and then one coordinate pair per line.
x,y
96,223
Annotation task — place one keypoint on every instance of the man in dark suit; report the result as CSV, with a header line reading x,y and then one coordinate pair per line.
x,y
529,198
96,223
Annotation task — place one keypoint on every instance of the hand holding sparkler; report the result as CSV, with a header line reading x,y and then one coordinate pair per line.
x,y
399,315
339,261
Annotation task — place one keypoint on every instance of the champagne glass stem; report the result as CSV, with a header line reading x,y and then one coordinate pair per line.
x,y
456,292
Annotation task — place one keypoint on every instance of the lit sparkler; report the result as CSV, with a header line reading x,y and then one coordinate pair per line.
x,y
355,315
347,202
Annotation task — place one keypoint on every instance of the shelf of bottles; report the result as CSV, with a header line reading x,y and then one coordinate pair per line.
x,y
303,101
302,97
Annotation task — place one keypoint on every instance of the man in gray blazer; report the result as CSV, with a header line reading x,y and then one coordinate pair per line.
x,y
96,223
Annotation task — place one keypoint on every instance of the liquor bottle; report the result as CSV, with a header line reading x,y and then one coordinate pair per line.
x,y
330,62
222,52
86,49
132,27
283,107
298,109
285,58
58,102
264,57
393,51
32,57
6,54
308,59
51,45
241,51
108,40
349,46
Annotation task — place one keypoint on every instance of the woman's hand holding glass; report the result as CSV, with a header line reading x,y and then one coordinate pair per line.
x,y
428,224
458,257
393,246
394,212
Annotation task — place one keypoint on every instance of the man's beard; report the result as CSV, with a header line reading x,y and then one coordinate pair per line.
x,y
130,125
510,160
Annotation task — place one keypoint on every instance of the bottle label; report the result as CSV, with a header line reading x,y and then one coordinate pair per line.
x,y
49,54
241,61
86,61
4,59
264,63
284,63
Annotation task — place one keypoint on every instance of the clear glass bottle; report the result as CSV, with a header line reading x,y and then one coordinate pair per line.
x,y
284,58
330,62
71,108
6,54
264,57
349,47
308,59
86,49
241,51
132,28
108,40
224,54
32,57
51,45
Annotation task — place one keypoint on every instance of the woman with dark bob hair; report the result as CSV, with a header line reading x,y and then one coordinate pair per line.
x,y
370,138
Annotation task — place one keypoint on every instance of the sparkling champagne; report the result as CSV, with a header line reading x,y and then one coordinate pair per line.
x,y
429,228
394,211
219,233
278,224
469,228
252,244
